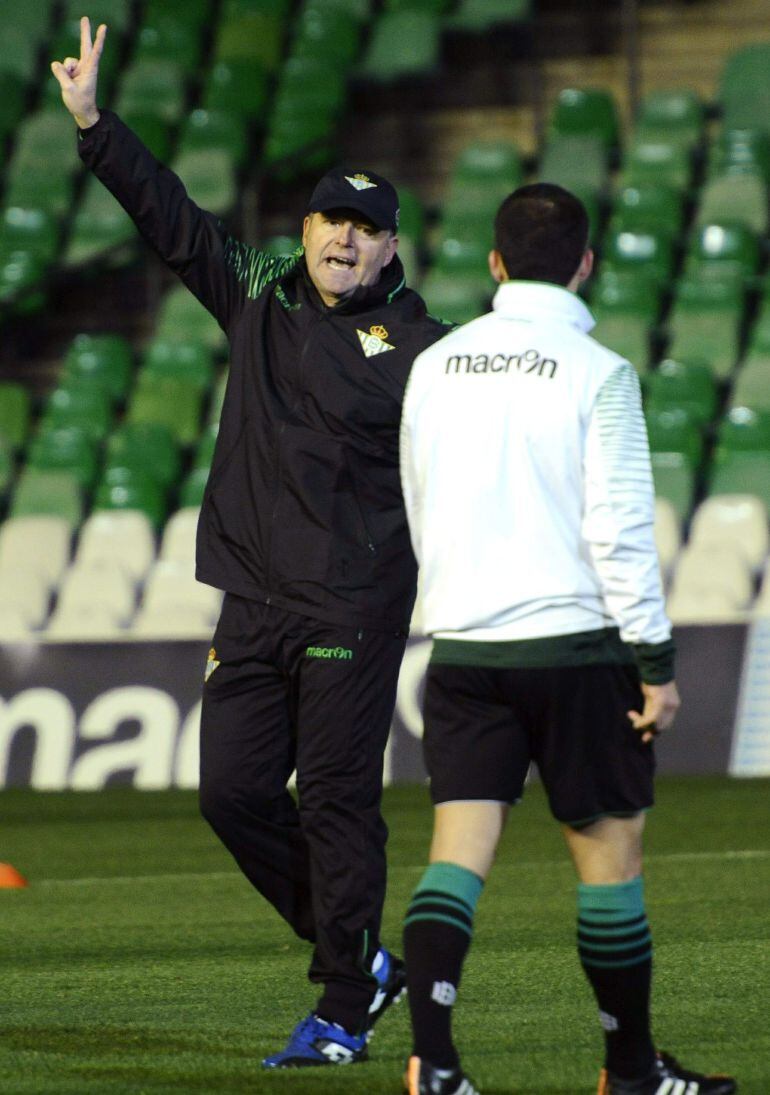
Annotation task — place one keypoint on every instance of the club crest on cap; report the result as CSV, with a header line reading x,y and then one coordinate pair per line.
x,y
361,182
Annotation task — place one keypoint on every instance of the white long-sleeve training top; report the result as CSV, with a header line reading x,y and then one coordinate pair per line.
x,y
526,472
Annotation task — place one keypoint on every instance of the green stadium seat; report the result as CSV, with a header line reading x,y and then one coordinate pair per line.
x,y
35,188
759,334
674,480
647,254
752,383
41,140
624,291
684,385
675,115
155,87
478,16
64,448
124,488
745,429
435,7
744,90
313,82
738,199
237,87
209,177
705,323
305,115
454,298
102,361
193,487
116,13
171,403
32,230
146,447
185,360
181,317
656,163
100,224
412,215
585,112
656,209
294,130
737,151
722,251
672,429
737,472
628,333
11,102
166,37
14,413
403,43
20,273
360,10
255,35
236,7
40,136
192,13
213,129
204,450
6,466
79,405
327,30
577,163
49,493
462,256
153,131
20,49
483,175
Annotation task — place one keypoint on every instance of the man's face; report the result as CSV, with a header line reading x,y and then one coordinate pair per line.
x,y
344,250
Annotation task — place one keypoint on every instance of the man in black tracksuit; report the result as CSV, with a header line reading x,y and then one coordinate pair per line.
x,y
303,526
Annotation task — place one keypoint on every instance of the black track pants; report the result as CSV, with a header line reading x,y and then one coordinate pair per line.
x,y
287,692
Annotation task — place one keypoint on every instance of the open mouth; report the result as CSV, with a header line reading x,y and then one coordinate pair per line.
x,y
338,263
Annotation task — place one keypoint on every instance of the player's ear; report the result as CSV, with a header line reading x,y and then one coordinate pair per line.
x,y
497,267
305,227
586,265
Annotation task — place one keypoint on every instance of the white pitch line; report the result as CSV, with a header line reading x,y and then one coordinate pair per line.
x,y
197,876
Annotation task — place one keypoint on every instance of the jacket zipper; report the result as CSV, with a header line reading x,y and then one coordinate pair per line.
x,y
279,453
357,499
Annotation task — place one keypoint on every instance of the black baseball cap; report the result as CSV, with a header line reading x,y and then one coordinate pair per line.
x,y
364,191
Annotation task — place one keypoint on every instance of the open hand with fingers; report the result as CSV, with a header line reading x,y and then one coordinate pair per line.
x,y
661,703
78,76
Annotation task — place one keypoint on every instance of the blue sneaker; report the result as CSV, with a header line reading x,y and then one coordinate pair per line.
x,y
391,984
316,1042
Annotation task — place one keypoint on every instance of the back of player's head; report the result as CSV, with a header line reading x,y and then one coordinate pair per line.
x,y
541,232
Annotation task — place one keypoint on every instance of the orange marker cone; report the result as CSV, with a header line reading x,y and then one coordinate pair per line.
x,y
10,879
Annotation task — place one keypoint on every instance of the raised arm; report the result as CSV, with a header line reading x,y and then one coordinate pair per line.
x,y
220,271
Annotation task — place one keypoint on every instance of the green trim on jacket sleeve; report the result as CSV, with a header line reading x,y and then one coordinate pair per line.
x,y
257,268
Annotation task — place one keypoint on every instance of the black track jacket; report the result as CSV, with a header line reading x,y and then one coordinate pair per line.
x,y
303,505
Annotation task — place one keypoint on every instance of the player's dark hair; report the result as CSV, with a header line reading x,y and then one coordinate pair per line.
x,y
541,231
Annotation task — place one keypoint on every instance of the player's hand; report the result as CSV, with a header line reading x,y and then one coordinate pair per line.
x,y
661,703
77,76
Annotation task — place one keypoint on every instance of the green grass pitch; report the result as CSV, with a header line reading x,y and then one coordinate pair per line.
x,y
140,961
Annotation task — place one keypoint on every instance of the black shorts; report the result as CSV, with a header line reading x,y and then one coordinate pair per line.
x,y
483,728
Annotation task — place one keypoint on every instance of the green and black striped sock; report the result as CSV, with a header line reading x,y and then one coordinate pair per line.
x,y
615,949
437,933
